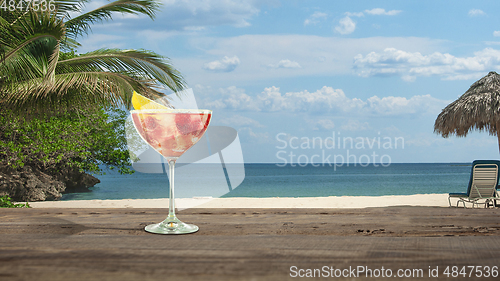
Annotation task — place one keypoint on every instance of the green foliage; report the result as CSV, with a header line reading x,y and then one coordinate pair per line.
x,y
36,76
55,104
5,202
73,139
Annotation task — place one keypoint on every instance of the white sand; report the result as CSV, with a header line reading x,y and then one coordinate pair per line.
x,y
431,200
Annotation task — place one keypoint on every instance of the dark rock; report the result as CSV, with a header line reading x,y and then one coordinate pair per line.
x,y
77,181
28,184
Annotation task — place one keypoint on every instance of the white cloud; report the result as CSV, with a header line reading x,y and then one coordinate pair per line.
x,y
315,54
476,12
195,28
271,99
241,121
374,12
346,26
255,136
286,64
325,101
382,12
231,98
491,43
181,14
315,18
402,106
425,140
227,64
323,124
496,33
409,78
358,14
184,16
355,125
409,65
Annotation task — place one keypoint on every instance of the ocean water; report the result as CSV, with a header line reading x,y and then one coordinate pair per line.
x,y
270,180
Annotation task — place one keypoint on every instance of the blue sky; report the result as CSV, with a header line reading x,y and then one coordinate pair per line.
x,y
294,76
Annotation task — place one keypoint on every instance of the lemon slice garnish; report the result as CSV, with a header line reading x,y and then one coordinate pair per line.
x,y
140,102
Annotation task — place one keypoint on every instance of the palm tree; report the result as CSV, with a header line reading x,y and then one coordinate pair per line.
x,y
39,71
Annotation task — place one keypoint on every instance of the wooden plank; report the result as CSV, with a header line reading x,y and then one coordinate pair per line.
x,y
242,244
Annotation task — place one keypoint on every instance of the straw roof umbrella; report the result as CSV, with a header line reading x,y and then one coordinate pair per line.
x,y
477,109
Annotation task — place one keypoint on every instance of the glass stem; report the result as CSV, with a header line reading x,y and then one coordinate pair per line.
x,y
171,200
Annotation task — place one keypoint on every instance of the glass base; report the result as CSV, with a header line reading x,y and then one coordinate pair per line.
x,y
171,226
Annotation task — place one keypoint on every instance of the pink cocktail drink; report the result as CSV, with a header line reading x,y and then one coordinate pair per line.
x,y
171,133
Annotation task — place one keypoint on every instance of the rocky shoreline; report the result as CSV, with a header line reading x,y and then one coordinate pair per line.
x,y
29,184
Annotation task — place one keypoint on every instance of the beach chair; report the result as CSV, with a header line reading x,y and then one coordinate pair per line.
x,y
482,184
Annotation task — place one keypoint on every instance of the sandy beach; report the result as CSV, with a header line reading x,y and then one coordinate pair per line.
x,y
430,200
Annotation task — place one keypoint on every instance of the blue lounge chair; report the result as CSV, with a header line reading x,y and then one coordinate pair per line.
x,y
482,184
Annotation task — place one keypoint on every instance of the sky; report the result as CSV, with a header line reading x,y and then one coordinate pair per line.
x,y
324,82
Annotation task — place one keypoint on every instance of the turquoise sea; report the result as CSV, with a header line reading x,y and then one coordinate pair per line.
x,y
270,180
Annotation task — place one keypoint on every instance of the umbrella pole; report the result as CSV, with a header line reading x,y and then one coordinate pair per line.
x,y
498,134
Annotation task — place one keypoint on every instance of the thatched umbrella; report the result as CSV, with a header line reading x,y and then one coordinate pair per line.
x,y
477,109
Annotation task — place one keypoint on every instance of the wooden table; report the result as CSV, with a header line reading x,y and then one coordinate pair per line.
x,y
246,244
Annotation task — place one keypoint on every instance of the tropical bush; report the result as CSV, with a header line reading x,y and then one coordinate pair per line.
x,y
6,202
81,140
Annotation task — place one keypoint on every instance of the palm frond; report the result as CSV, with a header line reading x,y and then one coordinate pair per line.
x,y
52,63
79,25
37,58
37,75
65,7
14,51
68,44
3,22
20,68
29,28
68,90
141,63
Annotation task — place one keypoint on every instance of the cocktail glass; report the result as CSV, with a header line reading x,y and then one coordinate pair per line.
x,y
171,132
